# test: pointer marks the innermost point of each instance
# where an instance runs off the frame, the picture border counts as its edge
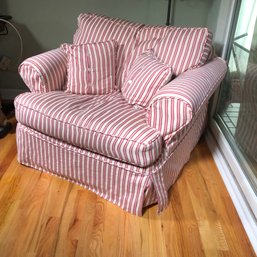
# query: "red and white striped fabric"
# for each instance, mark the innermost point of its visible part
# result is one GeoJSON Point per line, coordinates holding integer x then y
{"type": "Point", "coordinates": [149, 32]}
{"type": "Point", "coordinates": [174, 106]}
{"type": "Point", "coordinates": [176, 156]}
{"type": "Point", "coordinates": [146, 39]}
{"type": "Point", "coordinates": [45, 72]}
{"type": "Point", "coordinates": [97, 28]}
{"type": "Point", "coordinates": [125, 185]}
{"type": "Point", "coordinates": [91, 68]}
{"type": "Point", "coordinates": [105, 124]}
{"type": "Point", "coordinates": [185, 48]}
{"type": "Point", "coordinates": [144, 46]}
{"type": "Point", "coordinates": [146, 76]}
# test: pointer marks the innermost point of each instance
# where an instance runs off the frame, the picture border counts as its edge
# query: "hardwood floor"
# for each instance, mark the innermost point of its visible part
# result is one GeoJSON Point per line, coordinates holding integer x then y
{"type": "Point", "coordinates": [42, 215]}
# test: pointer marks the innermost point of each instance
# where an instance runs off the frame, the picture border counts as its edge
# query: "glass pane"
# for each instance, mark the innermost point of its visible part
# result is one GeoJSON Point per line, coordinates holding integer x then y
{"type": "Point", "coordinates": [237, 109]}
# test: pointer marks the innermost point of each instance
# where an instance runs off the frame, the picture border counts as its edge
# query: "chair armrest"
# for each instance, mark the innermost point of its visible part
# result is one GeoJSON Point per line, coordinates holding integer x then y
{"type": "Point", "coordinates": [174, 105]}
{"type": "Point", "coordinates": [45, 72]}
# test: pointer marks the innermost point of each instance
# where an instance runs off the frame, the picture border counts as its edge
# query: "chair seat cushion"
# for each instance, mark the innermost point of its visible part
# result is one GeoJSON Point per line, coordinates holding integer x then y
{"type": "Point", "coordinates": [105, 124]}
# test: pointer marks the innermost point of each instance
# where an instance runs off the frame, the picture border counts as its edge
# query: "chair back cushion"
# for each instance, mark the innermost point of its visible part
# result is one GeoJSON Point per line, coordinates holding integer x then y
{"type": "Point", "coordinates": [185, 48]}
{"type": "Point", "coordinates": [182, 48]}
{"type": "Point", "coordinates": [149, 32]}
{"type": "Point", "coordinates": [98, 28]}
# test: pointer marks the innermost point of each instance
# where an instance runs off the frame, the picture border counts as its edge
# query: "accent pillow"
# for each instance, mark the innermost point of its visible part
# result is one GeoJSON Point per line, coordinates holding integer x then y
{"type": "Point", "coordinates": [91, 68]}
{"type": "Point", "coordinates": [144, 46]}
{"type": "Point", "coordinates": [146, 76]}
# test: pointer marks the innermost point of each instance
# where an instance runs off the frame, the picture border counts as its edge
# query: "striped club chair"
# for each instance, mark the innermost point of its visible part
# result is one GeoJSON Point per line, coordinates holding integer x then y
{"type": "Point", "coordinates": [120, 109]}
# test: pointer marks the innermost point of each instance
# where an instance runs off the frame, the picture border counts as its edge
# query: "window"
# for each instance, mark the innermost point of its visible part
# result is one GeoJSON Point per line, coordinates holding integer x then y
{"type": "Point", "coordinates": [237, 106]}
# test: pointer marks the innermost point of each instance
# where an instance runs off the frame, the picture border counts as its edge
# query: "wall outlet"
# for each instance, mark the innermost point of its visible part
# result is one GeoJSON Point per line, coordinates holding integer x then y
{"type": "Point", "coordinates": [5, 62]}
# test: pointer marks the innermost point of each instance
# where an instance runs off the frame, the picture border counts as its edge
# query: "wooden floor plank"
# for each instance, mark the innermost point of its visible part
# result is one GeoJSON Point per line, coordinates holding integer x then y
{"type": "Point", "coordinates": [7, 152]}
{"type": "Point", "coordinates": [43, 215]}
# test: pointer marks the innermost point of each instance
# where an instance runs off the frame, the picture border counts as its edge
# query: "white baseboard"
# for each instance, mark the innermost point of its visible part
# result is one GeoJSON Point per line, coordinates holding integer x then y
{"type": "Point", "coordinates": [241, 192]}
{"type": "Point", "coordinates": [10, 94]}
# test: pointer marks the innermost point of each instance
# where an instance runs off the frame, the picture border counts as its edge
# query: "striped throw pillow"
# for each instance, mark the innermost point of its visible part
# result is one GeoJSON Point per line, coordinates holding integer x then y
{"type": "Point", "coordinates": [144, 46]}
{"type": "Point", "coordinates": [146, 76]}
{"type": "Point", "coordinates": [91, 68]}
